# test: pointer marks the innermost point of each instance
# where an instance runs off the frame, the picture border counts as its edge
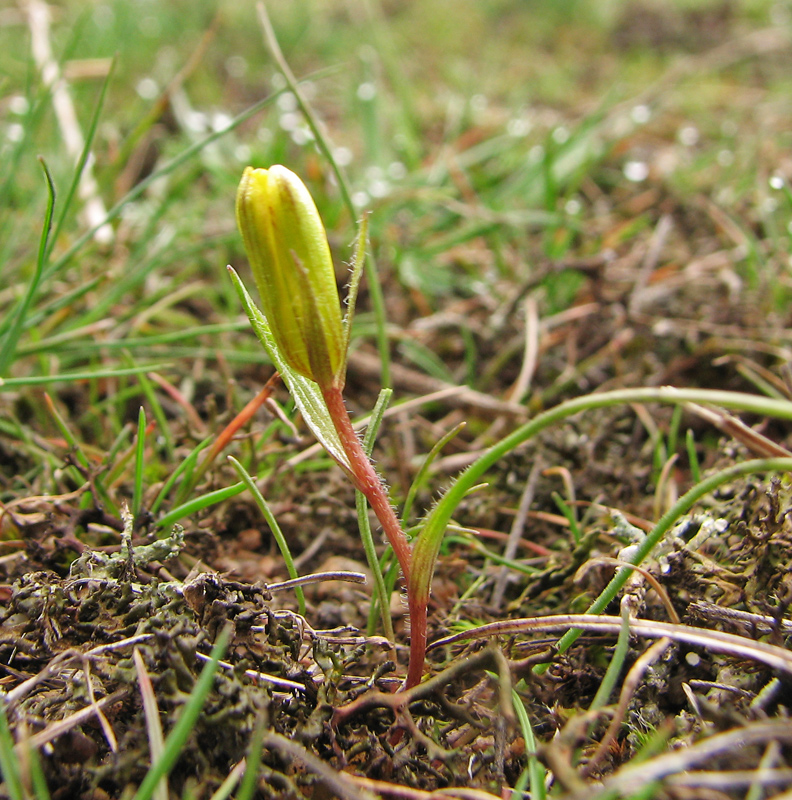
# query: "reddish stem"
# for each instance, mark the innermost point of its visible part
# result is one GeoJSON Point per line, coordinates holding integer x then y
{"type": "Point", "coordinates": [417, 639]}
{"type": "Point", "coordinates": [368, 482]}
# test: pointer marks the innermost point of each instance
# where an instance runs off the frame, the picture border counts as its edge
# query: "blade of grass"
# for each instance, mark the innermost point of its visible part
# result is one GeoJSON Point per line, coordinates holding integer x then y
{"type": "Point", "coordinates": [164, 428]}
{"type": "Point", "coordinates": [185, 468]}
{"type": "Point", "coordinates": [200, 503]}
{"type": "Point", "coordinates": [9, 763]}
{"type": "Point", "coordinates": [70, 377]}
{"type": "Point", "coordinates": [181, 731]}
{"type": "Point", "coordinates": [569, 514]}
{"type": "Point", "coordinates": [40, 787]}
{"type": "Point", "coordinates": [248, 786]}
{"type": "Point", "coordinates": [277, 533]}
{"type": "Point", "coordinates": [602, 697]}
{"type": "Point", "coordinates": [53, 343]}
{"type": "Point", "coordinates": [229, 784]}
{"type": "Point", "coordinates": [536, 772]}
{"type": "Point", "coordinates": [690, 446]}
{"type": "Point", "coordinates": [48, 310]}
{"type": "Point", "coordinates": [9, 345]}
{"type": "Point", "coordinates": [140, 456]}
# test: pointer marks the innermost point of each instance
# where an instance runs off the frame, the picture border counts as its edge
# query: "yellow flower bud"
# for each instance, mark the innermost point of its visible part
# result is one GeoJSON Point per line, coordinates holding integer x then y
{"type": "Point", "coordinates": [287, 246]}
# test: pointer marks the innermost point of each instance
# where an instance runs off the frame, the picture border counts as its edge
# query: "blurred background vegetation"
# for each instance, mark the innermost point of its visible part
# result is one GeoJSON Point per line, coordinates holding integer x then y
{"type": "Point", "coordinates": [503, 147]}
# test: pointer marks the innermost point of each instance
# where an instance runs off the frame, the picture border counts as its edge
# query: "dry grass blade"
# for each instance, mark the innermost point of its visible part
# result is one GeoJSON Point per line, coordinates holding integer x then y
{"type": "Point", "coordinates": [761, 623]}
{"type": "Point", "coordinates": [629, 687]}
{"type": "Point", "coordinates": [776, 658]}
{"type": "Point", "coordinates": [56, 729]}
{"type": "Point", "coordinates": [100, 715]}
{"type": "Point", "coordinates": [337, 782]}
{"type": "Point", "coordinates": [384, 789]}
{"type": "Point", "coordinates": [632, 778]}
{"type": "Point", "coordinates": [516, 532]}
{"type": "Point", "coordinates": [39, 22]}
{"type": "Point", "coordinates": [756, 443]}
{"type": "Point", "coordinates": [406, 379]}
{"type": "Point", "coordinates": [153, 726]}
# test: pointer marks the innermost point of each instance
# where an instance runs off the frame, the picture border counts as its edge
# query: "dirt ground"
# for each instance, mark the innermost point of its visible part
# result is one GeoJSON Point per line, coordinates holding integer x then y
{"type": "Point", "coordinates": [78, 602]}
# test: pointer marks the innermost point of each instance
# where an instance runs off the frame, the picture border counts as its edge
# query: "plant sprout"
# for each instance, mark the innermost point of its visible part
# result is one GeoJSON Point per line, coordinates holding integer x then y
{"type": "Point", "coordinates": [301, 327]}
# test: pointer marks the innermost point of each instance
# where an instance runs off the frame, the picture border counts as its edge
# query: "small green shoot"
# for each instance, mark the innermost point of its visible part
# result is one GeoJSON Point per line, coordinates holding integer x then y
{"type": "Point", "coordinates": [9, 343]}
{"type": "Point", "coordinates": [535, 775]}
{"type": "Point", "coordinates": [140, 460]}
{"type": "Point", "coordinates": [181, 731]}
{"type": "Point", "coordinates": [277, 533]}
{"type": "Point", "coordinates": [692, 454]}
{"type": "Point", "coordinates": [616, 665]}
{"type": "Point", "coordinates": [9, 761]}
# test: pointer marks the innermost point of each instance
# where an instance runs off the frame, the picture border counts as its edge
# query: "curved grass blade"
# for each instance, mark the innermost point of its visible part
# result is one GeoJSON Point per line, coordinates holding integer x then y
{"type": "Point", "coordinates": [427, 545]}
{"type": "Point", "coordinates": [666, 522]}
{"type": "Point", "coordinates": [83, 160]}
{"type": "Point", "coordinates": [8, 348]}
{"type": "Point", "coordinates": [277, 533]}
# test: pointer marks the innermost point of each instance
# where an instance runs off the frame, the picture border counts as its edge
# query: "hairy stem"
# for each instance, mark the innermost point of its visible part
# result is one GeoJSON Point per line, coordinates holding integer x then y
{"type": "Point", "coordinates": [366, 479]}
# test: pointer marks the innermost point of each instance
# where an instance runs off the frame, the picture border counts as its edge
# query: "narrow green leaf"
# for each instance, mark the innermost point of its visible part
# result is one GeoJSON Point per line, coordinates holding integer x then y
{"type": "Point", "coordinates": [8, 348]}
{"type": "Point", "coordinates": [9, 763]}
{"type": "Point", "coordinates": [200, 503]}
{"type": "Point", "coordinates": [381, 593]}
{"type": "Point", "coordinates": [535, 770]}
{"type": "Point", "coordinates": [277, 533]}
{"type": "Point", "coordinates": [602, 697]}
{"type": "Point", "coordinates": [189, 715]}
{"type": "Point", "coordinates": [70, 377]}
{"type": "Point", "coordinates": [140, 448]}
{"type": "Point", "coordinates": [427, 545]}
